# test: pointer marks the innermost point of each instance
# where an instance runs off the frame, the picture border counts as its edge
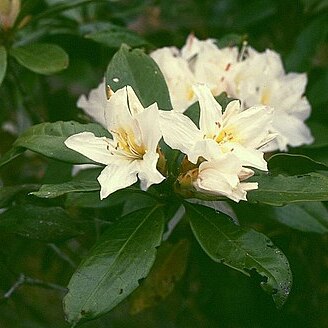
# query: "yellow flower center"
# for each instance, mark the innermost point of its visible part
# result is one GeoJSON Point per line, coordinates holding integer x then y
{"type": "Point", "coordinates": [265, 98]}
{"type": "Point", "coordinates": [126, 141]}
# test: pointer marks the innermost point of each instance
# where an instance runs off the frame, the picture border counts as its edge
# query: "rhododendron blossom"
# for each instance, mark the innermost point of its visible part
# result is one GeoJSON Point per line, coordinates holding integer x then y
{"type": "Point", "coordinates": [132, 153]}
{"type": "Point", "coordinates": [252, 77]}
{"type": "Point", "coordinates": [236, 131]}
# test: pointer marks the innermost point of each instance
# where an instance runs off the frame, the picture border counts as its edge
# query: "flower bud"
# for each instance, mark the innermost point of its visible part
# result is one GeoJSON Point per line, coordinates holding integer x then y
{"type": "Point", "coordinates": [9, 10]}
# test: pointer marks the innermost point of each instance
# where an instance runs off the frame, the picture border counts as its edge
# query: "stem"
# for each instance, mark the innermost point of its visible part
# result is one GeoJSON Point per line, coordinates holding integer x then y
{"type": "Point", "coordinates": [25, 280]}
{"type": "Point", "coordinates": [62, 255]}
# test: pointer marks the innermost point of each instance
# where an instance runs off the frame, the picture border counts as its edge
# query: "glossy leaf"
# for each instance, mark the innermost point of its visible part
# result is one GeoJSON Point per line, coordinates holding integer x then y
{"type": "Point", "coordinates": [41, 58]}
{"type": "Point", "coordinates": [112, 270]}
{"type": "Point", "coordinates": [278, 190]}
{"type": "Point", "coordinates": [3, 63]}
{"type": "Point", "coordinates": [291, 164]}
{"type": "Point", "coordinates": [48, 224]}
{"type": "Point", "coordinates": [115, 37]}
{"type": "Point", "coordinates": [169, 268]}
{"type": "Point", "coordinates": [242, 249]}
{"type": "Point", "coordinates": [135, 68]}
{"type": "Point", "coordinates": [307, 217]}
{"type": "Point", "coordinates": [48, 139]}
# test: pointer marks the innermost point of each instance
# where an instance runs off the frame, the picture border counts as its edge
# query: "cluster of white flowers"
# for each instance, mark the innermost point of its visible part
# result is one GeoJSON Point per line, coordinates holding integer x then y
{"type": "Point", "coordinates": [222, 149]}
{"type": "Point", "coordinates": [252, 77]}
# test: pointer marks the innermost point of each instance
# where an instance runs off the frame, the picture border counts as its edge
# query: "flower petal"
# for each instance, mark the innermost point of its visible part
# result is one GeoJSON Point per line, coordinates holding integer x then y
{"type": "Point", "coordinates": [117, 113]}
{"type": "Point", "coordinates": [179, 132]}
{"type": "Point", "coordinates": [148, 122]}
{"type": "Point", "coordinates": [96, 148]}
{"type": "Point", "coordinates": [148, 173]}
{"type": "Point", "coordinates": [96, 103]}
{"type": "Point", "coordinates": [117, 176]}
{"type": "Point", "coordinates": [210, 111]}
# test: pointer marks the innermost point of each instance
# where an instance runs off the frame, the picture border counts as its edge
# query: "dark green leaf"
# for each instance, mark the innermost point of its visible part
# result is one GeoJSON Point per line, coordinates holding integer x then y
{"type": "Point", "coordinates": [10, 155]}
{"type": "Point", "coordinates": [230, 40]}
{"type": "Point", "coordinates": [307, 217]}
{"type": "Point", "coordinates": [48, 139]}
{"type": "Point", "coordinates": [135, 68]}
{"type": "Point", "coordinates": [315, 5]}
{"type": "Point", "coordinates": [291, 164]}
{"type": "Point", "coordinates": [48, 224]}
{"type": "Point", "coordinates": [41, 58]}
{"type": "Point", "coordinates": [307, 42]}
{"type": "Point", "coordinates": [242, 249]}
{"type": "Point", "coordinates": [320, 134]}
{"type": "Point", "coordinates": [3, 63]}
{"type": "Point", "coordinates": [56, 190]}
{"type": "Point", "coordinates": [7, 194]}
{"type": "Point", "coordinates": [279, 190]}
{"type": "Point", "coordinates": [63, 6]}
{"type": "Point", "coordinates": [116, 36]}
{"type": "Point", "coordinates": [112, 270]}
{"type": "Point", "coordinates": [315, 94]}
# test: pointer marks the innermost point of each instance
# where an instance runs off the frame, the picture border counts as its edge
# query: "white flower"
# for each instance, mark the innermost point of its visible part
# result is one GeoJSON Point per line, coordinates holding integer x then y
{"type": "Point", "coordinates": [178, 77]}
{"type": "Point", "coordinates": [197, 62]}
{"type": "Point", "coordinates": [236, 131]}
{"type": "Point", "coordinates": [131, 154]}
{"type": "Point", "coordinates": [261, 79]}
{"type": "Point", "coordinates": [224, 176]}
{"type": "Point", "coordinates": [95, 104]}
{"type": "Point", "coordinates": [210, 64]}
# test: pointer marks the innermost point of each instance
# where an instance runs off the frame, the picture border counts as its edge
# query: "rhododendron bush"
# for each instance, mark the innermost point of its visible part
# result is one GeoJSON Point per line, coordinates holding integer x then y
{"type": "Point", "coordinates": [144, 183]}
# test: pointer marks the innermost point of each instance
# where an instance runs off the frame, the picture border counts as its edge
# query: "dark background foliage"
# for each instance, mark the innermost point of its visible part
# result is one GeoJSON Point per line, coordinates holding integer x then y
{"type": "Point", "coordinates": [209, 294]}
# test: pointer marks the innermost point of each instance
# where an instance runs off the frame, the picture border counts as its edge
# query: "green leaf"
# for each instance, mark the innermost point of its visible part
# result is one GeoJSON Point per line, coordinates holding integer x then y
{"type": "Point", "coordinates": [319, 132]}
{"type": "Point", "coordinates": [3, 63]}
{"type": "Point", "coordinates": [135, 68]}
{"type": "Point", "coordinates": [242, 249]}
{"type": "Point", "coordinates": [306, 45]}
{"type": "Point", "coordinates": [11, 155]}
{"type": "Point", "coordinates": [169, 268]}
{"type": "Point", "coordinates": [48, 224]}
{"type": "Point", "coordinates": [291, 164]}
{"type": "Point", "coordinates": [48, 139]}
{"type": "Point", "coordinates": [114, 38]}
{"type": "Point", "coordinates": [112, 270]}
{"type": "Point", "coordinates": [307, 217]}
{"type": "Point", "coordinates": [8, 193]}
{"type": "Point", "coordinates": [56, 190]}
{"type": "Point", "coordinates": [278, 190]}
{"type": "Point", "coordinates": [231, 40]}
{"type": "Point", "coordinates": [63, 6]}
{"type": "Point", "coordinates": [41, 58]}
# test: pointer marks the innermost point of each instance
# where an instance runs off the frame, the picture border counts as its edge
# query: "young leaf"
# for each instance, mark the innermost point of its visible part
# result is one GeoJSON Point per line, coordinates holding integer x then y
{"type": "Point", "coordinates": [41, 58]}
{"type": "Point", "coordinates": [307, 217]}
{"type": "Point", "coordinates": [135, 68]}
{"type": "Point", "coordinates": [114, 38]}
{"type": "Point", "coordinates": [278, 190]}
{"type": "Point", "coordinates": [48, 224]}
{"type": "Point", "coordinates": [242, 249]}
{"type": "Point", "coordinates": [112, 270]}
{"type": "Point", "coordinates": [3, 63]}
{"type": "Point", "coordinates": [48, 139]}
